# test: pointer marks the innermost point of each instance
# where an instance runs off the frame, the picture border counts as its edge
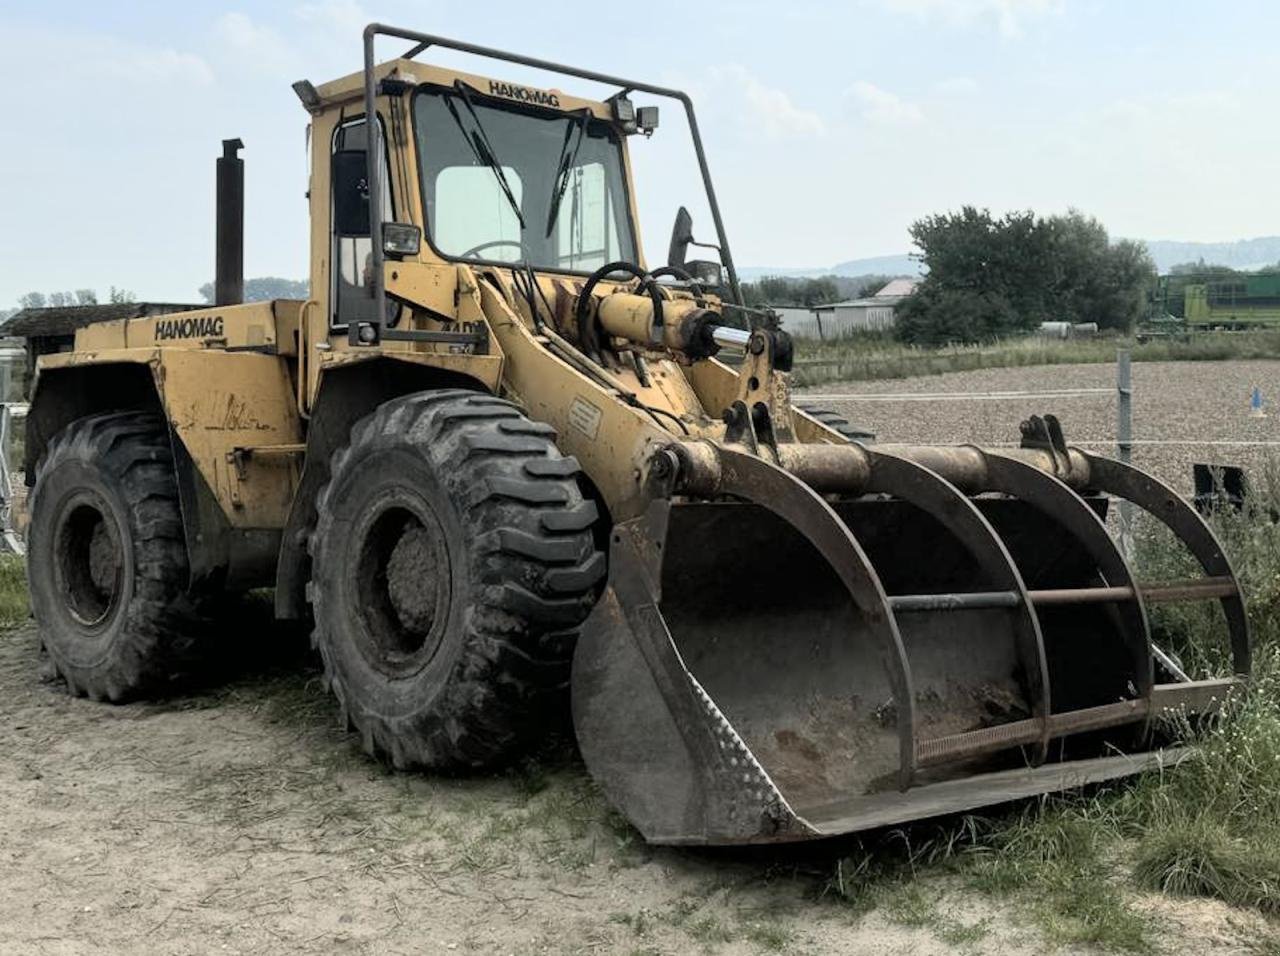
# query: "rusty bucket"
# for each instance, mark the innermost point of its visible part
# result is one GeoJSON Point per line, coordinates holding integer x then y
{"type": "Point", "coordinates": [772, 662]}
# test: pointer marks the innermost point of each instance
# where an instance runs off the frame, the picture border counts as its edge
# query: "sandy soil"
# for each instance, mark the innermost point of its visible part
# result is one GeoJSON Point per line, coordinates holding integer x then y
{"type": "Point", "coordinates": [242, 820]}
{"type": "Point", "coordinates": [1203, 403]}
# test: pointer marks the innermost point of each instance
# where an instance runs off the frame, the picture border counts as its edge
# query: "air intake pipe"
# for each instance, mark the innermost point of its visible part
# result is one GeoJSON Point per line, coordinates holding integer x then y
{"type": "Point", "coordinates": [228, 282]}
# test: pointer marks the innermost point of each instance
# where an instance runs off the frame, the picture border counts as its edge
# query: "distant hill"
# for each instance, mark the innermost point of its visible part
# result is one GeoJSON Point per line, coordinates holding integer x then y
{"type": "Point", "coordinates": [1240, 254]}
{"type": "Point", "coordinates": [899, 265]}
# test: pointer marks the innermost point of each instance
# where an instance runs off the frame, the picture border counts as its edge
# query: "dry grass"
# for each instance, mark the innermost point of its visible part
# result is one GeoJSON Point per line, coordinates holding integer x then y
{"type": "Point", "coordinates": [14, 605]}
{"type": "Point", "coordinates": [878, 356]}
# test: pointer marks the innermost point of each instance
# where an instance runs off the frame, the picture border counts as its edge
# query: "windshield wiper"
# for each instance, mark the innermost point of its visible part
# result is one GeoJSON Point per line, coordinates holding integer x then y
{"type": "Point", "coordinates": [564, 166]}
{"type": "Point", "coordinates": [480, 146]}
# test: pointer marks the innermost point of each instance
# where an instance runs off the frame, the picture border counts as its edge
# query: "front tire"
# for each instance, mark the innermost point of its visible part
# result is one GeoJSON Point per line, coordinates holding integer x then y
{"type": "Point", "coordinates": [107, 561]}
{"type": "Point", "coordinates": [452, 561]}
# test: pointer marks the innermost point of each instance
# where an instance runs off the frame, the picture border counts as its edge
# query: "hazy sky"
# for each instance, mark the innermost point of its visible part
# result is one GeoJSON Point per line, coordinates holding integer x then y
{"type": "Point", "coordinates": [830, 127]}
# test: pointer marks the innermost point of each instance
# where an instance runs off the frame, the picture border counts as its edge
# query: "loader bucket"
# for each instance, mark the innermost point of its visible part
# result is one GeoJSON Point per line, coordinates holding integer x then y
{"type": "Point", "coordinates": [778, 665]}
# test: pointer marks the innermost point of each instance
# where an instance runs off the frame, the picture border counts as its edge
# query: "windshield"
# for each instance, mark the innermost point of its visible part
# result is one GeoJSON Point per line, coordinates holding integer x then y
{"type": "Point", "coordinates": [505, 184]}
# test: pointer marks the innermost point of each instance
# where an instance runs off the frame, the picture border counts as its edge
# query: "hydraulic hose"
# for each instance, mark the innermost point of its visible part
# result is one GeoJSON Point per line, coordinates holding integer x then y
{"type": "Point", "coordinates": [591, 339]}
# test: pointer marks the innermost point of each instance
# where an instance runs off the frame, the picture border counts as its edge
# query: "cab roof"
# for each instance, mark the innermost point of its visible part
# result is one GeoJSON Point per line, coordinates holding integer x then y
{"type": "Point", "coordinates": [350, 88]}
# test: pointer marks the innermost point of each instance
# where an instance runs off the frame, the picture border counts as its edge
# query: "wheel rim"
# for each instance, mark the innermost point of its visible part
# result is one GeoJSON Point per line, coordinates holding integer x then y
{"type": "Point", "coordinates": [89, 560]}
{"type": "Point", "coordinates": [403, 587]}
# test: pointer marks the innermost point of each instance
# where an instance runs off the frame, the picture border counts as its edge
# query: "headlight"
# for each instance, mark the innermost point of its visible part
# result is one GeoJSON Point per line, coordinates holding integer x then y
{"type": "Point", "coordinates": [401, 239]}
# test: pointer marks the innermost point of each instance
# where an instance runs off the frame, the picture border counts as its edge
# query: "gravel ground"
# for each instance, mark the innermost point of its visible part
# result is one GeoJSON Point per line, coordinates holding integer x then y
{"type": "Point", "coordinates": [1199, 402]}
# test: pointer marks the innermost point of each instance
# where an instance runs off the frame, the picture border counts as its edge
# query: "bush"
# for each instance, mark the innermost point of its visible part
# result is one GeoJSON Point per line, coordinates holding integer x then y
{"type": "Point", "coordinates": [938, 316]}
{"type": "Point", "coordinates": [990, 276]}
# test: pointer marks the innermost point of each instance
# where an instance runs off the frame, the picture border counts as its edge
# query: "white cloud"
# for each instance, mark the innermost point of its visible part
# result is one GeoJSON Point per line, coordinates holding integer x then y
{"type": "Point", "coordinates": [880, 106]}
{"type": "Point", "coordinates": [142, 65]}
{"type": "Point", "coordinates": [258, 44]}
{"type": "Point", "coordinates": [956, 86]}
{"type": "Point", "coordinates": [345, 17]}
{"type": "Point", "coordinates": [98, 57]}
{"type": "Point", "coordinates": [1007, 15]}
{"type": "Point", "coordinates": [1179, 111]}
{"type": "Point", "coordinates": [771, 108]}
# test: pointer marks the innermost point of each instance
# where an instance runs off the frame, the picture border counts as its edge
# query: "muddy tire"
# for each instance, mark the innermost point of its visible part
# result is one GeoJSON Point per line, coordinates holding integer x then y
{"type": "Point", "coordinates": [452, 561]}
{"type": "Point", "coordinates": [107, 561]}
{"type": "Point", "coordinates": [837, 422]}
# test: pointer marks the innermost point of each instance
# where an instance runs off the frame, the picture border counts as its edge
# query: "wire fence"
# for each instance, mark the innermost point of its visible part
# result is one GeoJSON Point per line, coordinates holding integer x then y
{"type": "Point", "coordinates": [1123, 442]}
{"type": "Point", "coordinates": [1123, 392]}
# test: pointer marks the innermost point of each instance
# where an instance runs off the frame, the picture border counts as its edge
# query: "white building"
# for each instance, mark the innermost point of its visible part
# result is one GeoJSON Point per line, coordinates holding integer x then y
{"type": "Point", "coordinates": [873, 313]}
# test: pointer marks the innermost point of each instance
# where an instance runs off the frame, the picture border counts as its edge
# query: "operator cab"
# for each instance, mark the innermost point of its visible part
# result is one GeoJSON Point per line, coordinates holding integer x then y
{"type": "Point", "coordinates": [479, 172]}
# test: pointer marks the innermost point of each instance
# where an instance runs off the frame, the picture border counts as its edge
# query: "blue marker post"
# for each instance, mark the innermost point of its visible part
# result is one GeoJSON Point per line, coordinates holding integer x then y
{"type": "Point", "coordinates": [1255, 404]}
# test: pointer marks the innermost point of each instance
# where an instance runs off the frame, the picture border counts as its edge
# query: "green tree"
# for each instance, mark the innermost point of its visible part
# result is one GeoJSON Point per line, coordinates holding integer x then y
{"type": "Point", "coordinates": [869, 285]}
{"type": "Point", "coordinates": [120, 296]}
{"type": "Point", "coordinates": [1006, 275]}
{"type": "Point", "coordinates": [266, 288]}
{"type": "Point", "coordinates": [1202, 270]}
{"type": "Point", "coordinates": [789, 291]}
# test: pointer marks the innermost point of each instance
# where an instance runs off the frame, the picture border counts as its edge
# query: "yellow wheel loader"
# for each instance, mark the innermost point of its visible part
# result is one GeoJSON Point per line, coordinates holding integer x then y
{"type": "Point", "coordinates": [496, 454]}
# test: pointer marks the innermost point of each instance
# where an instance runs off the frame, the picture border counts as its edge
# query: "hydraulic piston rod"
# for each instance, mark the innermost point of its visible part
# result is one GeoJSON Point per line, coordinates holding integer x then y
{"type": "Point", "coordinates": [726, 335]}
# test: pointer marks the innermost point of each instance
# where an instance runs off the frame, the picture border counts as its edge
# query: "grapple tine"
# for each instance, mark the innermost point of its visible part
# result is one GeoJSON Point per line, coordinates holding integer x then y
{"type": "Point", "coordinates": [1171, 509]}
{"type": "Point", "coordinates": [758, 481]}
{"type": "Point", "coordinates": [1054, 498]}
{"type": "Point", "coordinates": [929, 491]}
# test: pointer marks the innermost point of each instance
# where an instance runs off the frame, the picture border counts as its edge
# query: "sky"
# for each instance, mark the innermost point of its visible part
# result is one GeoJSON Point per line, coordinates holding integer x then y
{"type": "Point", "coordinates": [830, 127]}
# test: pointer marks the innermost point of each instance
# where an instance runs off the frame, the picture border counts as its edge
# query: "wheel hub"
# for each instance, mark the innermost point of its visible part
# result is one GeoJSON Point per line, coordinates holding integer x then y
{"type": "Point", "coordinates": [403, 583]}
{"type": "Point", "coordinates": [411, 579]}
{"type": "Point", "coordinates": [89, 562]}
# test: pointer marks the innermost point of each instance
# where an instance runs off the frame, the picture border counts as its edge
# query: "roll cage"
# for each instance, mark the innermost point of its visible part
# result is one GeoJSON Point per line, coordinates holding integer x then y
{"type": "Point", "coordinates": [423, 41]}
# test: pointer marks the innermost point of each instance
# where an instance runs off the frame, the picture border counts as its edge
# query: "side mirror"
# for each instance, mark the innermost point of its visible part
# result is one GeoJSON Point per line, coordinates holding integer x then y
{"type": "Point", "coordinates": [681, 237]}
{"type": "Point", "coordinates": [707, 273]}
{"type": "Point", "coordinates": [350, 193]}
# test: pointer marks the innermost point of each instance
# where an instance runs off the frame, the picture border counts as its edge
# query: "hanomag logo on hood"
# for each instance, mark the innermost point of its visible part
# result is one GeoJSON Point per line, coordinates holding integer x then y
{"type": "Point", "coordinates": [197, 327]}
{"type": "Point", "coordinates": [524, 94]}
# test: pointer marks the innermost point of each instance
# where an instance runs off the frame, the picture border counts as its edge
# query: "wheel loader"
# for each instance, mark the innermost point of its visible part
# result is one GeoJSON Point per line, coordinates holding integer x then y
{"type": "Point", "coordinates": [496, 458]}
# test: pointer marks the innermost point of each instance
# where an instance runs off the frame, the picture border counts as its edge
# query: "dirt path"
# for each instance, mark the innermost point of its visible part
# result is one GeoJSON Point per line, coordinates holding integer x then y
{"type": "Point", "coordinates": [242, 820]}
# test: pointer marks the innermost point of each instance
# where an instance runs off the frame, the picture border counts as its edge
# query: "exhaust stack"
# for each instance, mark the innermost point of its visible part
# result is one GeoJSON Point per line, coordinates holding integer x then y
{"type": "Point", "coordinates": [228, 283]}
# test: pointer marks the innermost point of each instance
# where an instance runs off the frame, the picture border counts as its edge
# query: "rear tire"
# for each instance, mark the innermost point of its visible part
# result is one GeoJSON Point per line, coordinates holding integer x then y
{"type": "Point", "coordinates": [837, 422]}
{"type": "Point", "coordinates": [107, 561]}
{"type": "Point", "coordinates": [452, 562]}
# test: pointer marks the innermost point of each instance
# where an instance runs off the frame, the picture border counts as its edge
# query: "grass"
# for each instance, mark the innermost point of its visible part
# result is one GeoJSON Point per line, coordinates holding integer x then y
{"type": "Point", "coordinates": [878, 356]}
{"type": "Point", "coordinates": [14, 605]}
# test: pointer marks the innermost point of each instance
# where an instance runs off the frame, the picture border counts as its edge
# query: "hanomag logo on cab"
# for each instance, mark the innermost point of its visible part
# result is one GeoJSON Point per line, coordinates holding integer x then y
{"type": "Point", "coordinates": [524, 94]}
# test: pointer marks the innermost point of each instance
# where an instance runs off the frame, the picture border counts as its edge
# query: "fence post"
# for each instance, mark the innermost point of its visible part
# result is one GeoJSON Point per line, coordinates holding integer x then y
{"type": "Point", "coordinates": [1124, 439]}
